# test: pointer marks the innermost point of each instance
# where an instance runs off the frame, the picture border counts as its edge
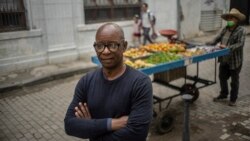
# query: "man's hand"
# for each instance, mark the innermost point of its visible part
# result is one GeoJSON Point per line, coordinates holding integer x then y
{"type": "Point", "coordinates": [82, 111]}
{"type": "Point", "coordinates": [119, 123]}
{"type": "Point", "coordinates": [222, 46]}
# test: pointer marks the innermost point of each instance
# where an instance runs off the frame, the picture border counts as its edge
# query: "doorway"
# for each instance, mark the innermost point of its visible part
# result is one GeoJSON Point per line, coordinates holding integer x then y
{"type": "Point", "coordinates": [243, 6]}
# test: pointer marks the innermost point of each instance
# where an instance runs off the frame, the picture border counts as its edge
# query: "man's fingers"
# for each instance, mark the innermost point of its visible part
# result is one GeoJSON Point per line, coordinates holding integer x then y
{"type": "Point", "coordinates": [77, 115]}
{"type": "Point", "coordinates": [82, 111]}
{"type": "Point", "coordinates": [222, 46]}
{"type": "Point", "coordinates": [124, 118]}
{"type": "Point", "coordinates": [87, 110]}
{"type": "Point", "coordinates": [85, 114]}
{"type": "Point", "coordinates": [79, 112]}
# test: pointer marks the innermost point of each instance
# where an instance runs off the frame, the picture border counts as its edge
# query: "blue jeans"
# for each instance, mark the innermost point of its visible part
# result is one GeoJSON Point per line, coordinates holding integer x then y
{"type": "Point", "coordinates": [146, 36]}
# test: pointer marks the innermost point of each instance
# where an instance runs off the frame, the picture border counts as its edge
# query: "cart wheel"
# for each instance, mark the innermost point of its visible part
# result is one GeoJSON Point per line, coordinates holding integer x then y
{"type": "Point", "coordinates": [164, 123]}
{"type": "Point", "coordinates": [190, 89]}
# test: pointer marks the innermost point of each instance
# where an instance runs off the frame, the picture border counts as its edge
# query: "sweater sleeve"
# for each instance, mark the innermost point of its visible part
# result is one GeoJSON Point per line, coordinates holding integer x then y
{"type": "Point", "coordinates": [82, 128]}
{"type": "Point", "coordinates": [217, 38]}
{"type": "Point", "coordinates": [139, 117]}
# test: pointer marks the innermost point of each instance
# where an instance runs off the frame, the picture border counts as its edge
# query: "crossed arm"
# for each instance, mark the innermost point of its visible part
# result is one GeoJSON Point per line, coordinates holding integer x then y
{"type": "Point", "coordinates": [132, 127]}
{"type": "Point", "coordinates": [82, 112]}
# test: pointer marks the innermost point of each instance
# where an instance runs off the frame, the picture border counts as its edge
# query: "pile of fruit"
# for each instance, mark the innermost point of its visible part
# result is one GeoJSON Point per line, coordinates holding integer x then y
{"type": "Point", "coordinates": [152, 54]}
{"type": "Point", "coordinates": [165, 47]}
{"type": "Point", "coordinates": [135, 53]}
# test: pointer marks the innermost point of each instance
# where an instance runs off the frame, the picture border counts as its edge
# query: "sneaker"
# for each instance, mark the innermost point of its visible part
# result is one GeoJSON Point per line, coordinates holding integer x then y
{"type": "Point", "coordinates": [219, 99]}
{"type": "Point", "coordinates": [231, 103]}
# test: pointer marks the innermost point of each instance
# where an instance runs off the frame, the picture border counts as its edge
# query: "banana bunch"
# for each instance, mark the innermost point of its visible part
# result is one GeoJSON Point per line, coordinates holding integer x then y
{"type": "Point", "coordinates": [138, 64]}
{"type": "Point", "coordinates": [136, 53]}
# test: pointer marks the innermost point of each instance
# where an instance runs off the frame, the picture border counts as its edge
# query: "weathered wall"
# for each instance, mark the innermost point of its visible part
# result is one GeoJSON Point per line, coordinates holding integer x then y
{"type": "Point", "coordinates": [24, 49]}
{"type": "Point", "coordinates": [192, 14]}
{"type": "Point", "coordinates": [58, 33]}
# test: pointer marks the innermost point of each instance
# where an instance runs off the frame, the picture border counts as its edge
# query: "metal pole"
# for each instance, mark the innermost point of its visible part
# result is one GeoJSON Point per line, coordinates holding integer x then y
{"type": "Point", "coordinates": [178, 19]}
{"type": "Point", "coordinates": [215, 70]}
{"type": "Point", "coordinates": [185, 135]}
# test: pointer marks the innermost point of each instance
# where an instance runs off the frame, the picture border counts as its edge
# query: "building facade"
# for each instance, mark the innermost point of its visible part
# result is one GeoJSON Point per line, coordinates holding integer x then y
{"type": "Point", "coordinates": [39, 32]}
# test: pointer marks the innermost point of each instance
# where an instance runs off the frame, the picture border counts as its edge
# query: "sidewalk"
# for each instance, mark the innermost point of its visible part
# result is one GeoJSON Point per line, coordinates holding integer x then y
{"type": "Point", "coordinates": [42, 74]}
{"type": "Point", "coordinates": [45, 73]}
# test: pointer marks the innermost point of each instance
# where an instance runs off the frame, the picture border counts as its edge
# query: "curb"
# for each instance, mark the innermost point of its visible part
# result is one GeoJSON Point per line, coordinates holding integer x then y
{"type": "Point", "coordinates": [45, 78]}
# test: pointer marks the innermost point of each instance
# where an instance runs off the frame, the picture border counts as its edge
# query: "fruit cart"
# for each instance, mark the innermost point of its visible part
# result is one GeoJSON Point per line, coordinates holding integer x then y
{"type": "Point", "coordinates": [165, 121]}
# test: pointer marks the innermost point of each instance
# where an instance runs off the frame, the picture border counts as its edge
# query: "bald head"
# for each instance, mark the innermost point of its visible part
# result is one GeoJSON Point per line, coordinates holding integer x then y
{"type": "Point", "coordinates": [110, 29]}
{"type": "Point", "coordinates": [110, 38]}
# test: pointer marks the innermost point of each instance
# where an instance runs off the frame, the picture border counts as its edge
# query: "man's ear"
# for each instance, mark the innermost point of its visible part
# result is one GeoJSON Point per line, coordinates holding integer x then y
{"type": "Point", "coordinates": [125, 45]}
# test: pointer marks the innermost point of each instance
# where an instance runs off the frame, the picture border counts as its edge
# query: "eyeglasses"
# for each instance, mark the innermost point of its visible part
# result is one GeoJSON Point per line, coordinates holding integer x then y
{"type": "Point", "coordinates": [112, 46]}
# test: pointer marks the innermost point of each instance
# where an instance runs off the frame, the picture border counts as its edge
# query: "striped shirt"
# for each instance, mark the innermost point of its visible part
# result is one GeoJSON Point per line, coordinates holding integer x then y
{"type": "Point", "coordinates": [234, 40]}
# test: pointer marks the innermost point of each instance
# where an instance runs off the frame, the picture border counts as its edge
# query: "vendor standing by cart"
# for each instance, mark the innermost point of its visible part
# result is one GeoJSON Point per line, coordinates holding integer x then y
{"type": "Point", "coordinates": [233, 37]}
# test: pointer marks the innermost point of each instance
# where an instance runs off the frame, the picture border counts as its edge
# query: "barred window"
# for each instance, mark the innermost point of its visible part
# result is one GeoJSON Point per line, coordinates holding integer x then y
{"type": "Point", "coordinates": [12, 15]}
{"type": "Point", "coordinates": [110, 10]}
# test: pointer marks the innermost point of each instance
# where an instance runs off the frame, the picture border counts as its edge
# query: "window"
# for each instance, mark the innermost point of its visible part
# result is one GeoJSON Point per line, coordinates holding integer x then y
{"type": "Point", "coordinates": [211, 20]}
{"type": "Point", "coordinates": [110, 10]}
{"type": "Point", "coordinates": [12, 15]}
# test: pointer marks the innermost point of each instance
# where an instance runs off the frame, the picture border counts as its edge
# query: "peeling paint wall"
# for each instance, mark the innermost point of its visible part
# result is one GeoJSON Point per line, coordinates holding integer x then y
{"type": "Point", "coordinates": [192, 14]}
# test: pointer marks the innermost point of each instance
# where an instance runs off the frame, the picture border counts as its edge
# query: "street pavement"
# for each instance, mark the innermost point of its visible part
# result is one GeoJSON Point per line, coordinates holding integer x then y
{"type": "Point", "coordinates": [36, 113]}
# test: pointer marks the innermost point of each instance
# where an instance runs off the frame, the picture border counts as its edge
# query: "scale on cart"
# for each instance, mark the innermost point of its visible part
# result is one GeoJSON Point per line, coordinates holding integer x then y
{"type": "Point", "coordinates": [169, 34]}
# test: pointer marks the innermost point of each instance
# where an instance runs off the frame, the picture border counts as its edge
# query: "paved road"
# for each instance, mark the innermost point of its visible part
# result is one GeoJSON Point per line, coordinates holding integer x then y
{"type": "Point", "coordinates": [36, 113]}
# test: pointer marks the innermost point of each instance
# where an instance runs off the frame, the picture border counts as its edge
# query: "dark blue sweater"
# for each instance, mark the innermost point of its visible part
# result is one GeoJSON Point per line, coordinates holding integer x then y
{"type": "Point", "coordinates": [130, 94]}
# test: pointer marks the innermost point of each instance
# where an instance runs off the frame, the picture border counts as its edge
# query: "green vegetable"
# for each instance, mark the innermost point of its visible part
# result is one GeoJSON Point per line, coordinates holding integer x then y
{"type": "Point", "coordinates": [162, 57]}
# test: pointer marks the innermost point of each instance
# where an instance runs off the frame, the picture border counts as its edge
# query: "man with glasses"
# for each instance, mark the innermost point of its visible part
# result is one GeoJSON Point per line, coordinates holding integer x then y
{"type": "Point", "coordinates": [114, 102]}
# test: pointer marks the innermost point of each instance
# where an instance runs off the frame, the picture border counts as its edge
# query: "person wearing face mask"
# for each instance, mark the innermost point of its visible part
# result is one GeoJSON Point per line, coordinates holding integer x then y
{"type": "Point", "coordinates": [232, 37]}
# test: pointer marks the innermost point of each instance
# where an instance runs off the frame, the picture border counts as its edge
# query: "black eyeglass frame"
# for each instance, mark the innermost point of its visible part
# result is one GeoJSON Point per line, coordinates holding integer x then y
{"type": "Point", "coordinates": [116, 46]}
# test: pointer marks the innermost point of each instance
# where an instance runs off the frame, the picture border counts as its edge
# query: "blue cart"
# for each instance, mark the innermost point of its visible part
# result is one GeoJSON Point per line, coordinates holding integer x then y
{"type": "Point", "coordinates": [189, 91]}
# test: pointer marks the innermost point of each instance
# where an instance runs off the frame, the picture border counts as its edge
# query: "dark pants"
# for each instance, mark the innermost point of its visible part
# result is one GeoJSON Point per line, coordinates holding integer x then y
{"type": "Point", "coordinates": [224, 74]}
{"type": "Point", "coordinates": [146, 36]}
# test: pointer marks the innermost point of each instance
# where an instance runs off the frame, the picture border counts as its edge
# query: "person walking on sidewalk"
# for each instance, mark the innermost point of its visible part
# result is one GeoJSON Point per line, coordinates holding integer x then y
{"type": "Point", "coordinates": [136, 36]}
{"type": "Point", "coordinates": [232, 37]}
{"type": "Point", "coordinates": [114, 102]}
{"type": "Point", "coordinates": [148, 22]}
